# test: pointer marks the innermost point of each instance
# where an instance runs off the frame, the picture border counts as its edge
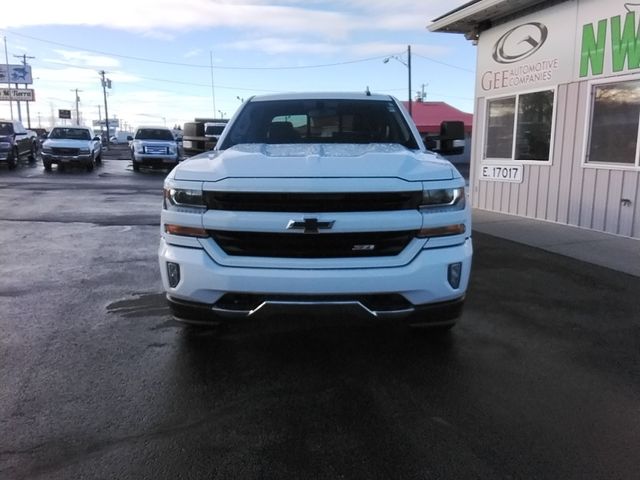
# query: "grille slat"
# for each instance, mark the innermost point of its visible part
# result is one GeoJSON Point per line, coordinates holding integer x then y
{"type": "Point", "coordinates": [312, 202]}
{"type": "Point", "coordinates": [309, 245]}
{"type": "Point", "coordinates": [65, 151]}
{"type": "Point", "coordinates": [156, 150]}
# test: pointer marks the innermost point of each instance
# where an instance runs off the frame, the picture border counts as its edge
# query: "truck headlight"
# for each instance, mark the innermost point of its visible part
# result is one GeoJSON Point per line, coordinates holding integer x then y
{"type": "Point", "coordinates": [5, 145]}
{"type": "Point", "coordinates": [443, 199]}
{"type": "Point", "coordinates": [84, 151]}
{"type": "Point", "coordinates": [183, 200]}
{"type": "Point", "coordinates": [47, 150]}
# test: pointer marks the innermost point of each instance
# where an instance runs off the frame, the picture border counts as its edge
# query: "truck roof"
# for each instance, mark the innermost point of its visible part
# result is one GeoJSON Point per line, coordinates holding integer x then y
{"type": "Point", "coordinates": [320, 96]}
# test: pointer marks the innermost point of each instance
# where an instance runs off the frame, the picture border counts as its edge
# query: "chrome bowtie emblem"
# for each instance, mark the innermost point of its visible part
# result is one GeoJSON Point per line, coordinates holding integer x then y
{"type": "Point", "coordinates": [309, 225]}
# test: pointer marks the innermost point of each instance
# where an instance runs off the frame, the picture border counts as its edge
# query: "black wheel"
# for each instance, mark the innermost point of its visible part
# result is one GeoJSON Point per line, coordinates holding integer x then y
{"type": "Point", "coordinates": [13, 161]}
{"type": "Point", "coordinates": [47, 166]}
{"type": "Point", "coordinates": [33, 153]}
{"type": "Point", "coordinates": [90, 166]}
{"type": "Point", "coordinates": [136, 166]}
{"type": "Point", "coordinates": [61, 167]}
{"type": "Point", "coordinates": [99, 159]}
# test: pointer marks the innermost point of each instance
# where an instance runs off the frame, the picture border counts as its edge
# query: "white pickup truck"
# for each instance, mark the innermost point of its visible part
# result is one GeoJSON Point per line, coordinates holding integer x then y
{"type": "Point", "coordinates": [317, 200]}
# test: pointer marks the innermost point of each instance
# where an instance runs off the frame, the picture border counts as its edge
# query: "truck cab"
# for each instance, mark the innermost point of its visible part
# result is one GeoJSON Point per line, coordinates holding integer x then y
{"type": "Point", "coordinates": [16, 142]}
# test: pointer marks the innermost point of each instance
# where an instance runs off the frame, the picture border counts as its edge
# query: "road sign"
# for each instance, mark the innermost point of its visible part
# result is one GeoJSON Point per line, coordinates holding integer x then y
{"type": "Point", "coordinates": [64, 113]}
{"type": "Point", "coordinates": [15, 74]}
{"type": "Point", "coordinates": [18, 94]}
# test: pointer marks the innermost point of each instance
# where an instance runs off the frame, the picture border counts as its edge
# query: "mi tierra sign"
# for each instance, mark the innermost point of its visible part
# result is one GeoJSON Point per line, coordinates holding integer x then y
{"type": "Point", "coordinates": [17, 94]}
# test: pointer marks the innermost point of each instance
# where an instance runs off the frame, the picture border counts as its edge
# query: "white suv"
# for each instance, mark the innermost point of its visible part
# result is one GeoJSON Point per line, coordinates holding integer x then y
{"type": "Point", "coordinates": [314, 200]}
{"type": "Point", "coordinates": [154, 147]}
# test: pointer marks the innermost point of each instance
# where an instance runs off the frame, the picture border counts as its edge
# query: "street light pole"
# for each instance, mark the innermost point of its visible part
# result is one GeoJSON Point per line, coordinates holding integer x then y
{"type": "Point", "coordinates": [408, 65]}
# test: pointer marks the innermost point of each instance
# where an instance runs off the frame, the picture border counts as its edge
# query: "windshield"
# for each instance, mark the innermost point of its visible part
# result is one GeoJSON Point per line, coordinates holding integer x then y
{"type": "Point", "coordinates": [320, 121]}
{"type": "Point", "coordinates": [70, 133]}
{"type": "Point", "coordinates": [6, 128]}
{"type": "Point", "coordinates": [214, 129]}
{"type": "Point", "coordinates": [154, 134]}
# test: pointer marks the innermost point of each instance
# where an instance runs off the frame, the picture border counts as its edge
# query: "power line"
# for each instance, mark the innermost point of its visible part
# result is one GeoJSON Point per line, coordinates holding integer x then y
{"type": "Point", "coordinates": [444, 63]}
{"type": "Point", "coordinates": [194, 65]}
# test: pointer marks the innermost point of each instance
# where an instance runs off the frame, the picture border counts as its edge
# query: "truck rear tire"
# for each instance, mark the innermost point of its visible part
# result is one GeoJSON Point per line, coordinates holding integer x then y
{"type": "Point", "coordinates": [13, 161]}
{"type": "Point", "coordinates": [47, 166]}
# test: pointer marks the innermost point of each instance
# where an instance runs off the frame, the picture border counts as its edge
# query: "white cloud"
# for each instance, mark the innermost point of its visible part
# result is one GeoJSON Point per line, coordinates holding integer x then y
{"type": "Point", "coordinates": [88, 59]}
{"type": "Point", "coordinates": [162, 18]}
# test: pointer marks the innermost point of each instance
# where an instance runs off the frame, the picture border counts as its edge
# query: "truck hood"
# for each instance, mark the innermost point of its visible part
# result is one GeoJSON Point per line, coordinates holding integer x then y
{"type": "Point", "coordinates": [66, 143]}
{"type": "Point", "coordinates": [315, 160]}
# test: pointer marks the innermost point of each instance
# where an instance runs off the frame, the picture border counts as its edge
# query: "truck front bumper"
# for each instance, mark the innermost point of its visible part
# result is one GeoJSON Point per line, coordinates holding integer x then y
{"type": "Point", "coordinates": [83, 159]}
{"type": "Point", "coordinates": [199, 287]}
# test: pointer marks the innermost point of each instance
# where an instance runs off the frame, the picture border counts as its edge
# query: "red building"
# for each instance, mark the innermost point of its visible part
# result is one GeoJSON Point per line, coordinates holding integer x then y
{"type": "Point", "coordinates": [428, 116]}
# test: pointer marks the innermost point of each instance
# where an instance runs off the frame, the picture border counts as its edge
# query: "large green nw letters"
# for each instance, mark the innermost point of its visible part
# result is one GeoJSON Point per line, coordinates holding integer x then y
{"type": "Point", "coordinates": [625, 45]}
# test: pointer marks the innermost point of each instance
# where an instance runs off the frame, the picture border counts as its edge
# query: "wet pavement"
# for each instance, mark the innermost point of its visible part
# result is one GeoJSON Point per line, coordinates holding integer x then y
{"type": "Point", "coordinates": [540, 379]}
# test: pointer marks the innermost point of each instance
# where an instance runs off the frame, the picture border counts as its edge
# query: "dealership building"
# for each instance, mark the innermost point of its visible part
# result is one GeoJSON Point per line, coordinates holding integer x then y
{"type": "Point", "coordinates": [557, 109]}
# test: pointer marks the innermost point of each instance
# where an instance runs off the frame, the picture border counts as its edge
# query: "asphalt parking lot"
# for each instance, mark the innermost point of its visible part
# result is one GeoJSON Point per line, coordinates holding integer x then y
{"type": "Point", "coordinates": [540, 379]}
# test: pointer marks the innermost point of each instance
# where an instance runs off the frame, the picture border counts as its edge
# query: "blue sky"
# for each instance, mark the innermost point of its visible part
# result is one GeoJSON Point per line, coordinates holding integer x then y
{"type": "Point", "coordinates": [159, 53]}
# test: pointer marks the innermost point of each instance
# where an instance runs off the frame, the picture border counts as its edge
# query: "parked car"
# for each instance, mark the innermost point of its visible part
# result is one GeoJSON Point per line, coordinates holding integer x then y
{"type": "Point", "coordinates": [75, 145]}
{"type": "Point", "coordinates": [154, 147]}
{"type": "Point", "coordinates": [317, 200]}
{"type": "Point", "coordinates": [16, 142]}
{"type": "Point", "coordinates": [41, 133]}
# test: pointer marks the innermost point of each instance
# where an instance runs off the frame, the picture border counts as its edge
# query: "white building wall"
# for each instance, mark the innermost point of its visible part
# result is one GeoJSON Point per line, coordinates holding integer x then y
{"type": "Point", "coordinates": [564, 190]}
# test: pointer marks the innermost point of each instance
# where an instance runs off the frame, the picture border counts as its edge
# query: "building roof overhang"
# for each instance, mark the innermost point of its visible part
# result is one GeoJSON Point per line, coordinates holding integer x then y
{"type": "Point", "coordinates": [477, 15]}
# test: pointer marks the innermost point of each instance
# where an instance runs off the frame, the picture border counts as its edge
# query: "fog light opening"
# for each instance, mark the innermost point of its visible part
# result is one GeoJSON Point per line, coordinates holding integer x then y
{"type": "Point", "coordinates": [454, 274]}
{"type": "Point", "coordinates": [173, 272]}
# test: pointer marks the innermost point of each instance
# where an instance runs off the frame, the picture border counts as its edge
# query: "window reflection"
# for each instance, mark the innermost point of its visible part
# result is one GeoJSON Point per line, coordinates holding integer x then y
{"type": "Point", "coordinates": [533, 132]}
{"type": "Point", "coordinates": [614, 123]}
{"type": "Point", "coordinates": [500, 128]}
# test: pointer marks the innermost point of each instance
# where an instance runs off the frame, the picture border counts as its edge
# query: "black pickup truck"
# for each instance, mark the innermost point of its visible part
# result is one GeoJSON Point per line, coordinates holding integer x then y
{"type": "Point", "coordinates": [16, 142]}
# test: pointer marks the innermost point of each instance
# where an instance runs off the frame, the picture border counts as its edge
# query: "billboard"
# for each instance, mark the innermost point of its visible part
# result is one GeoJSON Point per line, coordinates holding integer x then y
{"type": "Point", "coordinates": [15, 74]}
{"type": "Point", "coordinates": [64, 113]}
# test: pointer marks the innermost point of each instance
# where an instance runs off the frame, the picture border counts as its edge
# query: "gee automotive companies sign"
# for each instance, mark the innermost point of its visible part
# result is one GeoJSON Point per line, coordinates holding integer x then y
{"type": "Point", "coordinates": [527, 53]}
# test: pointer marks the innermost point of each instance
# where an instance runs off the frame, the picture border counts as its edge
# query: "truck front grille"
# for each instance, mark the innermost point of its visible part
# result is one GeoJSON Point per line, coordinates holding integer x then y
{"type": "Point", "coordinates": [311, 245]}
{"type": "Point", "coordinates": [156, 150]}
{"type": "Point", "coordinates": [65, 151]}
{"type": "Point", "coordinates": [312, 202]}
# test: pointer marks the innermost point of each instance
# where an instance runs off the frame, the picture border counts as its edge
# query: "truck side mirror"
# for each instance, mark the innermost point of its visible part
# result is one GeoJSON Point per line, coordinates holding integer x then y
{"type": "Point", "coordinates": [451, 134]}
{"type": "Point", "coordinates": [129, 138]}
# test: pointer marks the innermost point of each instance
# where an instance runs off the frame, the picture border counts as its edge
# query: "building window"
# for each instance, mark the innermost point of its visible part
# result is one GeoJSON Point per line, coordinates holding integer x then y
{"type": "Point", "coordinates": [519, 127]}
{"type": "Point", "coordinates": [614, 123]}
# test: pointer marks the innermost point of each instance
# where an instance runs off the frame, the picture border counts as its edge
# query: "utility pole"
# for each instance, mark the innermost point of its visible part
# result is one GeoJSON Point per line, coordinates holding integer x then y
{"type": "Point", "coordinates": [409, 67]}
{"type": "Point", "coordinates": [24, 57]}
{"type": "Point", "coordinates": [6, 57]}
{"type": "Point", "coordinates": [106, 83]}
{"type": "Point", "coordinates": [423, 95]}
{"type": "Point", "coordinates": [77, 103]}
{"type": "Point", "coordinates": [213, 91]}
